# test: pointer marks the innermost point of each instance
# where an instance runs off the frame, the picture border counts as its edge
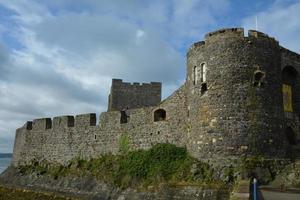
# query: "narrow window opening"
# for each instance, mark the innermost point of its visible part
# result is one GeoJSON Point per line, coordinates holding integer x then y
{"type": "Point", "coordinates": [203, 73]}
{"type": "Point", "coordinates": [124, 117]}
{"type": "Point", "coordinates": [160, 115]}
{"type": "Point", "coordinates": [195, 75]}
{"type": "Point", "coordinates": [203, 88]}
{"type": "Point", "coordinates": [95, 137]}
{"type": "Point", "coordinates": [158, 132]}
{"type": "Point", "coordinates": [259, 78]}
{"type": "Point", "coordinates": [199, 74]}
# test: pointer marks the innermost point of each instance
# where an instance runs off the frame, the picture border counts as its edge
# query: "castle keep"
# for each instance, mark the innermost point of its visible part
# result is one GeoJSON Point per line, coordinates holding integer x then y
{"type": "Point", "coordinates": [241, 97]}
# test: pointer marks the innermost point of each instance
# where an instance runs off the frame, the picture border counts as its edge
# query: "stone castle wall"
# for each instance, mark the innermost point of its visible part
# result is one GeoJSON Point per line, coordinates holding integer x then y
{"type": "Point", "coordinates": [236, 109]}
{"type": "Point", "coordinates": [290, 61]}
{"type": "Point", "coordinates": [64, 138]}
{"type": "Point", "coordinates": [126, 95]}
{"type": "Point", "coordinates": [235, 116]}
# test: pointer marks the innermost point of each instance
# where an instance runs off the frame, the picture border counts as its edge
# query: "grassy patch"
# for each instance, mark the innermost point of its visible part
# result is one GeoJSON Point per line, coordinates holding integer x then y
{"type": "Point", "coordinates": [124, 144]}
{"type": "Point", "coordinates": [163, 163]}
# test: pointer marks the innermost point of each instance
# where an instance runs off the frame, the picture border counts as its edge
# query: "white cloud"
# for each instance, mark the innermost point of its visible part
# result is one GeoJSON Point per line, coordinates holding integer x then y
{"type": "Point", "coordinates": [280, 21]}
{"type": "Point", "coordinates": [71, 49]}
{"type": "Point", "coordinates": [28, 12]}
{"type": "Point", "coordinates": [4, 59]}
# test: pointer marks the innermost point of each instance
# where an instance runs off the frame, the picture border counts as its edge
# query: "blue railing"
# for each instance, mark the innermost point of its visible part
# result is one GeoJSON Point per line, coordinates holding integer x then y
{"type": "Point", "coordinates": [255, 189]}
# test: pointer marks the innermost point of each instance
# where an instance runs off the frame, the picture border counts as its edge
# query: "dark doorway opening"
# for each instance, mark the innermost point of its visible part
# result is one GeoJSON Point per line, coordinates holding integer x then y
{"type": "Point", "coordinates": [291, 78]}
{"type": "Point", "coordinates": [160, 115]}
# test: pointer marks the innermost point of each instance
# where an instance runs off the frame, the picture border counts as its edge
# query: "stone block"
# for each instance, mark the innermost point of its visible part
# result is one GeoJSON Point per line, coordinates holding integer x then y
{"type": "Point", "coordinates": [63, 121]}
{"type": "Point", "coordinates": [41, 124]}
{"type": "Point", "coordinates": [85, 120]}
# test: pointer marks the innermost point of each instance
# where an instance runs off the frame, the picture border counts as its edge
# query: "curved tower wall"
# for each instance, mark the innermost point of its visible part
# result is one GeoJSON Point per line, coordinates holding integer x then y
{"type": "Point", "coordinates": [240, 113]}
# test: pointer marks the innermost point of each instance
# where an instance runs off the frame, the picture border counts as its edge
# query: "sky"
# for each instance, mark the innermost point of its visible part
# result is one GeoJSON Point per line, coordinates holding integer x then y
{"type": "Point", "coordinates": [58, 57]}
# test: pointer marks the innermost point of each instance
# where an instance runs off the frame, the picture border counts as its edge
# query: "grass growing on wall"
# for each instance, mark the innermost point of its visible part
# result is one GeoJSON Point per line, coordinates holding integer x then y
{"type": "Point", "coordinates": [163, 163]}
{"type": "Point", "coordinates": [124, 144]}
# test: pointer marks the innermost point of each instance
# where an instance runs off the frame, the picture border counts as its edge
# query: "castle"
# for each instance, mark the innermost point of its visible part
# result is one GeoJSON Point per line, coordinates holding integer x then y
{"type": "Point", "coordinates": [241, 97]}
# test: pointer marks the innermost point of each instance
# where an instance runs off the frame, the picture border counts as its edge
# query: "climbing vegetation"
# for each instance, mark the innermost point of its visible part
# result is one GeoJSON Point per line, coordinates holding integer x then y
{"type": "Point", "coordinates": [163, 163]}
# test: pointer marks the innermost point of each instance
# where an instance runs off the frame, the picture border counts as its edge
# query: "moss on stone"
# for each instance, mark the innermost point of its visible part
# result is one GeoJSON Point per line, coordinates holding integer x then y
{"type": "Point", "coordinates": [163, 163]}
{"type": "Point", "coordinates": [264, 169]}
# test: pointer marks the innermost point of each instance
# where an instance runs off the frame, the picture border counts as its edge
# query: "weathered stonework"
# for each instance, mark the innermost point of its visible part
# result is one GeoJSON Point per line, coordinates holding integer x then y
{"type": "Point", "coordinates": [128, 96]}
{"type": "Point", "coordinates": [230, 105]}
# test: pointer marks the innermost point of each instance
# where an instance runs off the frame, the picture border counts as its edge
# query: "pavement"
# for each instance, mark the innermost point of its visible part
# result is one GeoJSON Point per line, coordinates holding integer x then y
{"type": "Point", "coordinates": [276, 194]}
{"type": "Point", "coordinates": [241, 191]}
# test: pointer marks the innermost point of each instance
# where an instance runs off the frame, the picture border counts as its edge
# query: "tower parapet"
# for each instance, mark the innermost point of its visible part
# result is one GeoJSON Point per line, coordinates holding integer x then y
{"type": "Point", "coordinates": [85, 120]}
{"type": "Point", "coordinates": [224, 34]}
{"type": "Point", "coordinates": [63, 122]}
{"type": "Point", "coordinates": [41, 124]}
{"type": "Point", "coordinates": [124, 95]}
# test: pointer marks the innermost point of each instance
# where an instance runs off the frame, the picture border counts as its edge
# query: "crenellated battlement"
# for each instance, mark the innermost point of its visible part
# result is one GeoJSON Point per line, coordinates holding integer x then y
{"type": "Point", "coordinates": [197, 45]}
{"type": "Point", "coordinates": [261, 36]}
{"type": "Point", "coordinates": [67, 121]}
{"type": "Point", "coordinates": [85, 120]}
{"type": "Point", "coordinates": [120, 83]}
{"type": "Point", "coordinates": [28, 125]}
{"type": "Point", "coordinates": [41, 124]}
{"type": "Point", "coordinates": [238, 34]}
{"type": "Point", "coordinates": [63, 122]}
{"type": "Point", "coordinates": [124, 95]}
{"type": "Point", "coordinates": [225, 33]}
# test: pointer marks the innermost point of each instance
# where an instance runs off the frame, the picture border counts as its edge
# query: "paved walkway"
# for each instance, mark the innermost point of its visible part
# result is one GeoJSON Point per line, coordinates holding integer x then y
{"type": "Point", "coordinates": [273, 194]}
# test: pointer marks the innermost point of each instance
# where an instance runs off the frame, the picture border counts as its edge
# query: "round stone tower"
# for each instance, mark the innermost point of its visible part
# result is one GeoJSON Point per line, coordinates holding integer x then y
{"type": "Point", "coordinates": [234, 95]}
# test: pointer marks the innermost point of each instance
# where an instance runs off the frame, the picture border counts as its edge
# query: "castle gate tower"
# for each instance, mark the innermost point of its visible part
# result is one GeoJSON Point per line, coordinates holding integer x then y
{"type": "Point", "coordinates": [234, 94]}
